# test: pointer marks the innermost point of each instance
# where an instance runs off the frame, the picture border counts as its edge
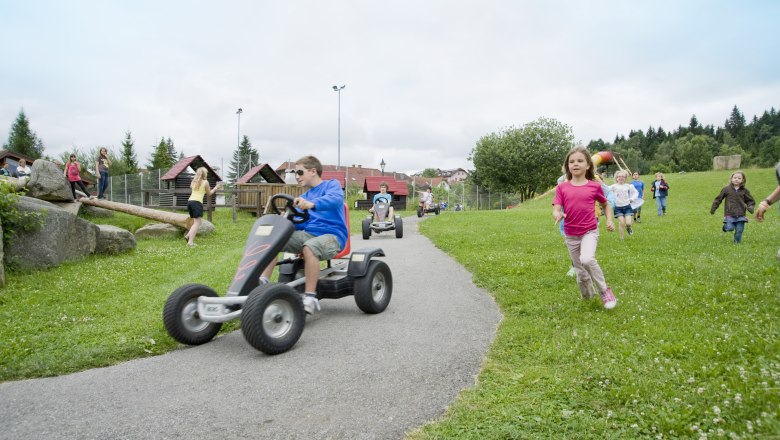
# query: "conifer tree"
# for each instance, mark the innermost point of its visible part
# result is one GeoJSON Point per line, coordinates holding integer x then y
{"type": "Point", "coordinates": [128, 154]}
{"type": "Point", "coordinates": [244, 158]}
{"type": "Point", "coordinates": [22, 139]}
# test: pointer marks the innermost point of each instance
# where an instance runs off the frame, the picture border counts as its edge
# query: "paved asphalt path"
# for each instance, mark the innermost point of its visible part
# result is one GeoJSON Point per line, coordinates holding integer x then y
{"type": "Point", "coordinates": [350, 376]}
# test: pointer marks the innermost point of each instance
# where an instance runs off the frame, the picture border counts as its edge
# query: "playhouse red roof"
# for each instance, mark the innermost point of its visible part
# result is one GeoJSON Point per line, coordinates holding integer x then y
{"type": "Point", "coordinates": [194, 162]}
{"type": "Point", "coordinates": [265, 171]}
{"type": "Point", "coordinates": [338, 175]}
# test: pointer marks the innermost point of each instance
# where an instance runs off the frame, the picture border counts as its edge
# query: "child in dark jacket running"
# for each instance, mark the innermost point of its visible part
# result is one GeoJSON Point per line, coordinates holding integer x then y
{"type": "Point", "coordinates": [738, 200]}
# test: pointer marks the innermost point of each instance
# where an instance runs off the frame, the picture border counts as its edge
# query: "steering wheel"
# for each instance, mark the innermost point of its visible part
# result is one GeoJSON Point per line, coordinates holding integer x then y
{"type": "Point", "coordinates": [382, 198]}
{"type": "Point", "coordinates": [291, 213]}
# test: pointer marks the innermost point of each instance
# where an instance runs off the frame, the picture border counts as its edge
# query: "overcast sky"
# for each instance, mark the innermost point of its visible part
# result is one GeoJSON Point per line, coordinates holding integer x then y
{"type": "Point", "coordinates": [424, 79]}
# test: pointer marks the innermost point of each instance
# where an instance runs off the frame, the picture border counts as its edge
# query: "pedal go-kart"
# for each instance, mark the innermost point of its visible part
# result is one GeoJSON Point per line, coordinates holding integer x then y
{"type": "Point", "coordinates": [381, 209]}
{"type": "Point", "coordinates": [272, 315]}
{"type": "Point", "coordinates": [432, 208]}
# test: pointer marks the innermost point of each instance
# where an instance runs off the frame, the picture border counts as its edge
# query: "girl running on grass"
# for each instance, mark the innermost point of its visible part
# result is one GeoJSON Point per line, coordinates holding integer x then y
{"type": "Point", "coordinates": [738, 200]}
{"type": "Point", "coordinates": [625, 195]}
{"type": "Point", "coordinates": [576, 197]}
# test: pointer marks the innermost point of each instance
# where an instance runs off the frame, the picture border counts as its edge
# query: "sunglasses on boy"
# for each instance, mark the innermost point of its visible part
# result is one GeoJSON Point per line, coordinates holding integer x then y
{"type": "Point", "coordinates": [299, 172]}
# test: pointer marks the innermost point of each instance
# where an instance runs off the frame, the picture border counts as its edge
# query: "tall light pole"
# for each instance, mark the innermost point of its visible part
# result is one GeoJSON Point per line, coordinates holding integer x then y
{"type": "Point", "coordinates": [339, 89]}
{"type": "Point", "coordinates": [382, 165]}
{"type": "Point", "coordinates": [238, 144]}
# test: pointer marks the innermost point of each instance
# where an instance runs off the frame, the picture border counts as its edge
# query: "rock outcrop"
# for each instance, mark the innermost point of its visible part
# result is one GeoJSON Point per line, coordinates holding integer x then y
{"type": "Point", "coordinates": [47, 182]}
{"type": "Point", "coordinates": [63, 237]}
{"type": "Point", "coordinates": [114, 240]}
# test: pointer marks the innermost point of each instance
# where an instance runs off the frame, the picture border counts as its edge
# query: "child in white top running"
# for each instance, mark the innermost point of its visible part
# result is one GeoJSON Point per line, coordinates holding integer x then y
{"type": "Point", "coordinates": [625, 194]}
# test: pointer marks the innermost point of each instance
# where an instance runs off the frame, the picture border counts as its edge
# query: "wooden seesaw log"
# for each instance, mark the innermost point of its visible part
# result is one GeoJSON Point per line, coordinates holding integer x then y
{"type": "Point", "coordinates": [180, 220]}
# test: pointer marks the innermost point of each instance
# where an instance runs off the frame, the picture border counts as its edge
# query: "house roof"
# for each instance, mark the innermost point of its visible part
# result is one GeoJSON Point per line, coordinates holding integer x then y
{"type": "Point", "coordinates": [193, 162]}
{"type": "Point", "coordinates": [340, 176]}
{"type": "Point", "coordinates": [16, 156]}
{"type": "Point", "coordinates": [395, 187]}
{"type": "Point", "coordinates": [265, 171]}
{"type": "Point", "coordinates": [353, 174]}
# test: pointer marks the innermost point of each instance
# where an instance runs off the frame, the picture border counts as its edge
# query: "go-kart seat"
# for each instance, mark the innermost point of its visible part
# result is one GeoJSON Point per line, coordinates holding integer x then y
{"type": "Point", "coordinates": [344, 252]}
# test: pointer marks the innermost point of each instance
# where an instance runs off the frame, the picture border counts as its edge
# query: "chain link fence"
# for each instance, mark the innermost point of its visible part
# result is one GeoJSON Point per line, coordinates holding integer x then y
{"type": "Point", "coordinates": [129, 189]}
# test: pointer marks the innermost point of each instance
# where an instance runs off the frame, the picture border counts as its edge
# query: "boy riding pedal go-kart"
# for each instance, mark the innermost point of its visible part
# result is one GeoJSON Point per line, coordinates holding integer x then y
{"type": "Point", "coordinates": [382, 218]}
{"type": "Point", "coordinates": [315, 226]}
{"type": "Point", "coordinates": [426, 204]}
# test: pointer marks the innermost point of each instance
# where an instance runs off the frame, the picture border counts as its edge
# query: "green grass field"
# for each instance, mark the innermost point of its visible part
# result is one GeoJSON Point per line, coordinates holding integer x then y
{"type": "Point", "coordinates": [690, 351]}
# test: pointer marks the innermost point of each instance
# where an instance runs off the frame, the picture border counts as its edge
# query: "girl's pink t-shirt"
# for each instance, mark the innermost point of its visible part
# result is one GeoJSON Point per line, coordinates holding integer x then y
{"type": "Point", "coordinates": [73, 172]}
{"type": "Point", "coordinates": [578, 204]}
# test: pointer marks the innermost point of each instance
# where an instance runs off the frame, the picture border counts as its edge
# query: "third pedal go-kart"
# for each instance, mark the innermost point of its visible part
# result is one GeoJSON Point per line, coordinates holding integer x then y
{"type": "Point", "coordinates": [272, 315]}
{"type": "Point", "coordinates": [382, 224]}
{"type": "Point", "coordinates": [433, 207]}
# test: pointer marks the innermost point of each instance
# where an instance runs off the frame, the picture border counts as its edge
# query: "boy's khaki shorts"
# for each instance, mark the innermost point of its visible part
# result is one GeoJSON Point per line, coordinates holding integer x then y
{"type": "Point", "coordinates": [324, 247]}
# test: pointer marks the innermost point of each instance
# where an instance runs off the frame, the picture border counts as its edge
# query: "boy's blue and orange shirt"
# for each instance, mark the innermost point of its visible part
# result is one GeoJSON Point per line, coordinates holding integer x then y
{"type": "Point", "coordinates": [327, 217]}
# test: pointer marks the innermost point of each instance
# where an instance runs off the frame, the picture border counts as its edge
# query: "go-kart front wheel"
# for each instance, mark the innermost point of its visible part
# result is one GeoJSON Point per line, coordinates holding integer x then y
{"type": "Point", "coordinates": [273, 318]}
{"type": "Point", "coordinates": [373, 291]}
{"type": "Point", "coordinates": [366, 228]}
{"type": "Point", "coordinates": [181, 319]}
{"type": "Point", "coordinates": [399, 226]}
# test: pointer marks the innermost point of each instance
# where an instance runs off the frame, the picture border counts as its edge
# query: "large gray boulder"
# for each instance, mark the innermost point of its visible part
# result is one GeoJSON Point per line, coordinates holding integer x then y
{"type": "Point", "coordinates": [63, 237]}
{"type": "Point", "coordinates": [165, 230]}
{"type": "Point", "coordinates": [114, 240]}
{"type": "Point", "coordinates": [47, 182]}
{"type": "Point", "coordinates": [158, 230]}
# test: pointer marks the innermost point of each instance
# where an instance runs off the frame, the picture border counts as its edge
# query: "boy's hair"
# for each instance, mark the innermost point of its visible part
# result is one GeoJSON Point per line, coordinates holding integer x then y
{"type": "Point", "coordinates": [381, 184]}
{"type": "Point", "coordinates": [590, 174]}
{"type": "Point", "coordinates": [201, 175]}
{"type": "Point", "coordinates": [744, 178]}
{"type": "Point", "coordinates": [310, 162]}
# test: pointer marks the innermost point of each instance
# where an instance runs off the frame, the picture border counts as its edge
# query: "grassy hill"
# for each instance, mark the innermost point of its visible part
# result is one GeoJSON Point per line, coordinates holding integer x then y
{"type": "Point", "coordinates": [690, 351]}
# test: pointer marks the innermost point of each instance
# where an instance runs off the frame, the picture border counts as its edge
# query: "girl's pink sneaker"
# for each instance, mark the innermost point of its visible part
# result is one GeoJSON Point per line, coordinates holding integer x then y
{"type": "Point", "coordinates": [608, 299]}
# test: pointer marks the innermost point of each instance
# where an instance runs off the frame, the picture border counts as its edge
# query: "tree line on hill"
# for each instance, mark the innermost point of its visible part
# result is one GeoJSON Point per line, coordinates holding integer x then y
{"type": "Point", "coordinates": [527, 160]}
{"type": "Point", "coordinates": [692, 148]}
{"type": "Point", "coordinates": [23, 140]}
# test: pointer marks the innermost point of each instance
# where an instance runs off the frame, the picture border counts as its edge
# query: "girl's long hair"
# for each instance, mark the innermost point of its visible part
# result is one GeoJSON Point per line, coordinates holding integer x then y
{"type": "Point", "coordinates": [200, 177]}
{"type": "Point", "coordinates": [590, 174]}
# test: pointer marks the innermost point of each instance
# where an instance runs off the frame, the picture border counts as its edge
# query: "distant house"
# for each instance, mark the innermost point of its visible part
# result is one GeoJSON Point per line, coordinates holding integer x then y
{"type": "Point", "coordinates": [353, 174]}
{"type": "Point", "coordinates": [340, 176]}
{"type": "Point", "coordinates": [454, 175]}
{"type": "Point", "coordinates": [180, 177]}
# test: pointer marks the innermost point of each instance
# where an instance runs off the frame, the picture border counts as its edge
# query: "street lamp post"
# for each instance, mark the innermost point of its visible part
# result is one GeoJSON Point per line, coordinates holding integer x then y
{"type": "Point", "coordinates": [382, 165]}
{"type": "Point", "coordinates": [339, 89]}
{"type": "Point", "coordinates": [238, 144]}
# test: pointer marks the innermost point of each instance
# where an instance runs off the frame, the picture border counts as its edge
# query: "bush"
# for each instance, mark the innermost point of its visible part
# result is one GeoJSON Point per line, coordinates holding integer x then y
{"type": "Point", "coordinates": [11, 218]}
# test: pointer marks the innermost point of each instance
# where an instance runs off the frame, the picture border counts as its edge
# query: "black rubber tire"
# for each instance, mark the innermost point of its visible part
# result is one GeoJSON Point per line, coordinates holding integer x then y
{"type": "Point", "coordinates": [420, 210]}
{"type": "Point", "coordinates": [373, 291]}
{"type": "Point", "coordinates": [437, 210]}
{"type": "Point", "coordinates": [273, 318]}
{"type": "Point", "coordinates": [366, 228]}
{"type": "Point", "coordinates": [399, 226]}
{"type": "Point", "coordinates": [180, 315]}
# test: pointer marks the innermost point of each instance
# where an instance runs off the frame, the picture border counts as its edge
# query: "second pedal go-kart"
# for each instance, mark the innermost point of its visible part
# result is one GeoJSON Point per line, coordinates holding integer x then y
{"type": "Point", "coordinates": [382, 224]}
{"type": "Point", "coordinates": [272, 315]}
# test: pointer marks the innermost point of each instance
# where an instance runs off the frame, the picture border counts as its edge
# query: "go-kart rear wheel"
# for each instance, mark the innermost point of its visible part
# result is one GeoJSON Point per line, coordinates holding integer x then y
{"type": "Point", "coordinates": [420, 211]}
{"type": "Point", "coordinates": [272, 319]}
{"type": "Point", "coordinates": [373, 291]}
{"type": "Point", "coordinates": [437, 210]}
{"type": "Point", "coordinates": [181, 319]}
{"type": "Point", "coordinates": [366, 228]}
{"type": "Point", "coordinates": [399, 226]}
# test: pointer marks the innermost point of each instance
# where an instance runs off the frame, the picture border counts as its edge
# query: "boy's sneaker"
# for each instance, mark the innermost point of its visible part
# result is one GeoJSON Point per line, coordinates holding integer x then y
{"type": "Point", "coordinates": [572, 272]}
{"type": "Point", "coordinates": [310, 303]}
{"type": "Point", "coordinates": [608, 299]}
{"type": "Point", "coordinates": [630, 230]}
